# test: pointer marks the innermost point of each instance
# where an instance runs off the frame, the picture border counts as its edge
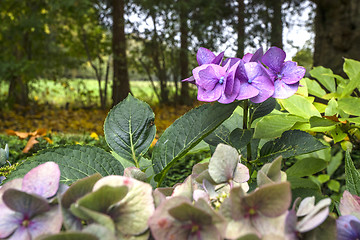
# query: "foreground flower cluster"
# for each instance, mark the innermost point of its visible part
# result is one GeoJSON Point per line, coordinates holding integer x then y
{"type": "Point", "coordinates": [256, 76]}
{"type": "Point", "coordinates": [213, 203]}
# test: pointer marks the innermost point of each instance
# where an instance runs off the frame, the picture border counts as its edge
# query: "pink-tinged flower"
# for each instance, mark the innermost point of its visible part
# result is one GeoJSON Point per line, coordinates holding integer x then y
{"type": "Point", "coordinates": [205, 56]}
{"type": "Point", "coordinates": [286, 75]}
{"type": "Point", "coordinates": [216, 83]}
{"type": "Point", "coordinates": [350, 204]}
{"type": "Point", "coordinates": [255, 83]}
{"type": "Point", "coordinates": [25, 210]}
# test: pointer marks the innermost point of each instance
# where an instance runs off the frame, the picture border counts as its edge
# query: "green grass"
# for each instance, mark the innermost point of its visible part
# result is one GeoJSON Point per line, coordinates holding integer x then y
{"type": "Point", "coordinates": [82, 92]}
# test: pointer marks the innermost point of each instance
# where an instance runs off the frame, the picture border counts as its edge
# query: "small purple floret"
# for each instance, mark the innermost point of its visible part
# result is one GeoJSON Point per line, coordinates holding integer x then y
{"type": "Point", "coordinates": [286, 75]}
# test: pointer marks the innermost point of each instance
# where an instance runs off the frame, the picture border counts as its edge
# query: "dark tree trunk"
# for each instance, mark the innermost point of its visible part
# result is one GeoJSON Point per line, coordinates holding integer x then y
{"type": "Point", "coordinates": [240, 29]}
{"type": "Point", "coordinates": [184, 61]}
{"type": "Point", "coordinates": [121, 86]}
{"type": "Point", "coordinates": [337, 28]}
{"type": "Point", "coordinates": [276, 24]}
{"type": "Point", "coordinates": [18, 92]}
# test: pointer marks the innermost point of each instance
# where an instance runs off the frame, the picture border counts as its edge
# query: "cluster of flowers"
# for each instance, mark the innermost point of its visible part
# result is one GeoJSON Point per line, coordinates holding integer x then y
{"type": "Point", "coordinates": [256, 76]}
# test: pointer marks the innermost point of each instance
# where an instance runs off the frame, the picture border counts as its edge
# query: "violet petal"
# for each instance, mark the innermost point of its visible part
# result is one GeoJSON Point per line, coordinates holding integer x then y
{"type": "Point", "coordinates": [217, 60]}
{"type": "Point", "coordinates": [257, 55]}
{"type": "Point", "coordinates": [265, 87]}
{"type": "Point", "coordinates": [210, 96]}
{"type": "Point", "coordinates": [247, 91]}
{"type": "Point", "coordinates": [282, 90]}
{"type": "Point", "coordinates": [207, 76]}
{"type": "Point", "coordinates": [21, 233]}
{"type": "Point", "coordinates": [204, 56]}
{"type": "Point", "coordinates": [274, 58]}
{"type": "Point", "coordinates": [292, 73]}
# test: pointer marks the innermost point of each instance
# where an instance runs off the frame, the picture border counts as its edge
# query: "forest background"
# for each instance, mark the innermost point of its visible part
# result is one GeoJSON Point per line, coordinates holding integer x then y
{"type": "Point", "coordinates": [63, 64]}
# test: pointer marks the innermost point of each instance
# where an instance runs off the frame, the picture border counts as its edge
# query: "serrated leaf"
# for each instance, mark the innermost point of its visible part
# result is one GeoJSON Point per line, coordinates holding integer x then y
{"type": "Point", "coordinates": [239, 138]}
{"type": "Point", "coordinates": [222, 133]}
{"type": "Point", "coordinates": [258, 110]}
{"type": "Point", "coordinates": [306, 167]}
{"type": "Point", "coordinates": [75, 162]}
{"type": "Point", "coordinates": [352, 176]}
{"type": "Point", "coordinates": [291, 143]}
{"type": "Point", "coordinates": [129, 129]}
{"type": "Point", "coordinates": [324, 76]}
{"type": "Point", "coordinates": [186, 132]}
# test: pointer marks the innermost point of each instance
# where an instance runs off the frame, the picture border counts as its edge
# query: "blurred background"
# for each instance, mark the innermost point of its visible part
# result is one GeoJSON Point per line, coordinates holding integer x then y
{"type": "Point", "coordinates": [64, 63]}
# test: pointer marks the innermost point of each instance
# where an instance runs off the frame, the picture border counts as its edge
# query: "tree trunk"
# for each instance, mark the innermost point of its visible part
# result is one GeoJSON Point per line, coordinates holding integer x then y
{"type": "Point", "coordinates": [276, 24]}
{"type": "Point", "coordinates": [240, 29]}
{"type": "Point", "coordinates": [184, 61]}
{"type": "Point", "coordinates": [337, 28]}
{"type": "Point", "coordinates": [121, 86]}
{"type": "Point", "coordinates": [18, 92]}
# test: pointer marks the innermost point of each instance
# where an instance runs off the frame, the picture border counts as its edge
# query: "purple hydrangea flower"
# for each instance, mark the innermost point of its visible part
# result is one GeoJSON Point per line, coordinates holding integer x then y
{"type": "Point", "coordinates": [348, 227]}
{"type": "Point", "coordinates": [286, 75]}
{"type": "Point", "coordinates": [216, 83]}
{"type": "Point", "coordinates": [255, 83]}
{"type": "Point", "coordinates": [205, 56]}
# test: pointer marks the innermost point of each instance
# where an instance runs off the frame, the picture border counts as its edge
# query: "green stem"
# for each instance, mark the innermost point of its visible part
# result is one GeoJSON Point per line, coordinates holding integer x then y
{"type": "Point", "coordinates": [246, 126]}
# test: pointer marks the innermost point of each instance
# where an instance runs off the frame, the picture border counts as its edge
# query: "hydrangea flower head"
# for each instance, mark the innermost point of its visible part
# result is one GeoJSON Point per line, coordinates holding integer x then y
{"type": "Point", "coordinates": [286, 75]}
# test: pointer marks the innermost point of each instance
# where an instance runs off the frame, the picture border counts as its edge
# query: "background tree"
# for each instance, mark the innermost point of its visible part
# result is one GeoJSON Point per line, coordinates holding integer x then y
{"type": "Point", "coordinates": [121, 85]}
{"type": "Point", "coordinates": [337, 28]}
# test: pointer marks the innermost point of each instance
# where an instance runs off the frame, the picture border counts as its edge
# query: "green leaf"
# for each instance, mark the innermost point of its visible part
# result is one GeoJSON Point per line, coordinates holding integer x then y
{"type": "Point", "coordinates": [314, 88]}
{"type": "Point", "coordinates": [352, 68]}
{"type": "Point", "coordinates": [129, 129]}
{"type": "Point", "coordinates": [258, 110]}
{"type": "Point", "coordinates": [352, 176]}
{"type": "Point", "coordinates": [68, 236]}
{"type": "Point", "coordinates": [321, 122]}
{"type": "Point", "coordinates": [332, 108]}
{"type": "Point", "coordinates": [306, 167]}
{"type": "Point", "coordinates": [298, 182]}
{"type": "Point", "coordinates": [75, 162]}
{"type": "Point", "coordinates": [186, 132]}
{"type": "Point", "coordinates": [274, 125]}
{"type": "Point", "coordinates": [291, 143]}
{"type": "Point", "coordinates": [334, 163]}
{"type": "Point", "coordinates": [239, 138]}
{"type": "Point", "coordinates": [348, 105]}
{"type": "Point", "coordinates": [299, 106]}
{"type": "Point", "coordinates": [322, 75]}
{"type": "Point", "coordinates": [337, 134]}
{"type": "Point", "coordinates": [323, 178]}
{"type": "Point", "coordinates": [222, 133]}
{"type": "Point", "coordinates": [333, 185]}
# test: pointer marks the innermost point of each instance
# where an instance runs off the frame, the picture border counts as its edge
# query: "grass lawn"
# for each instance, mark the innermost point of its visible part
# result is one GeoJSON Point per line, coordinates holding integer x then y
{"type": "Point", "coordinates": [82, 92]}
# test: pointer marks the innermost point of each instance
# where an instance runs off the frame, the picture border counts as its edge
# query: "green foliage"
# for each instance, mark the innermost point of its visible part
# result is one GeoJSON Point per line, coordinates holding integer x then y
{"type": "Point", "coordinates": [186, 133]}
{"type": "Point", "coordinates": [75, 162]}
{"type": "Point", "coordinates": [129, 129]}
